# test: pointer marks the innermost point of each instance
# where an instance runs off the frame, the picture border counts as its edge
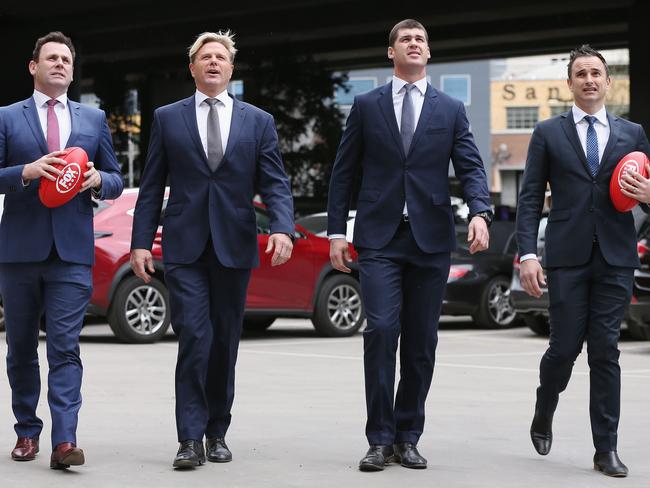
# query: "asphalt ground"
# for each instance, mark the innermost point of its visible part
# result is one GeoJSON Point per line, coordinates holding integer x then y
{"type": "Point", "coordinates": [299, 414]}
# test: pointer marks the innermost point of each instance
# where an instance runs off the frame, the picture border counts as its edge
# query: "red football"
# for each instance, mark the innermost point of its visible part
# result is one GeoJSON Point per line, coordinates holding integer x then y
{"type": "Point", "coordinates": [65, 187]}
{"type": "Point", "coordinates": [635, 161]}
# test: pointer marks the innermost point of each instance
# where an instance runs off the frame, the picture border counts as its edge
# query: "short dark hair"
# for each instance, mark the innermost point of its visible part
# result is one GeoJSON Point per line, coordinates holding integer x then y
{"type": "Point", "coordinates": [55, 36]}
{"type": "Point", "coordinates": [405, 24]}
{"type": "Point", "coordinates": [585, 51]}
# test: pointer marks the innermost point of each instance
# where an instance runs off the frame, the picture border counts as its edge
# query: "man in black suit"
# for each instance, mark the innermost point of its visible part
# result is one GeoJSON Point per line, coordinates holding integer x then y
{"type": "Point", "coordinates": [590, 250]}
{"type": "Point", "coordinates": [403, 135]}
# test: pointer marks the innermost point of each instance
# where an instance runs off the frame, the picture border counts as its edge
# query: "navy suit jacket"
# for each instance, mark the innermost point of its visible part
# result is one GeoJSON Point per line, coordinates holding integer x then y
{"type": "Point", "coordinates": [203, 203]}
{"type": "Point", "coordinates": [28, 228]}
{"type": "Point", "coordinates": [581, 204]}
{"type": "Point", "coordinates": [371, 142]}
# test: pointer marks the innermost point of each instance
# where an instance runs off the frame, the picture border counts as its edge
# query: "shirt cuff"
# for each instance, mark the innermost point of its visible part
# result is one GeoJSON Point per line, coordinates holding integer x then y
{"type": "Point", "coordinates": [336, 236]}
{"type": "Point", "coordinates": [526, 257]}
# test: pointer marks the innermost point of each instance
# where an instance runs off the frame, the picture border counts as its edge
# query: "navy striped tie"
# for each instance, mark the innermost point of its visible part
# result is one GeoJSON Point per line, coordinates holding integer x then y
{"type": "Point", "coordinates": [592, 145]}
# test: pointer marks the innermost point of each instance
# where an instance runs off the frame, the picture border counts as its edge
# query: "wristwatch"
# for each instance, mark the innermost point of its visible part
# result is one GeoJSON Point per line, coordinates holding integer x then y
{"type": "Point", "coordinates": [487, 216]}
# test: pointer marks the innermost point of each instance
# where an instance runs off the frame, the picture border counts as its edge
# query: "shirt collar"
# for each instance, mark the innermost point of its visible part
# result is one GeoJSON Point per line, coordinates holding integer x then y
{"type": "Point", "coordinates": [41, 99]}
{"type": "Point", "coordinates": [398, 84]}
{"type": "Point", "coordinates": [579, 114]}
{"type": "Point", "coordinates": [223, 97]}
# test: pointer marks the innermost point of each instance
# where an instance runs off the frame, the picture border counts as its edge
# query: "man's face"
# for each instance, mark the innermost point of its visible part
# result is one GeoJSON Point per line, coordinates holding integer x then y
{"type": "Point", "coordinates": [589, 82]}
{"type": "Point", "coordinates": [410, 50]}
{"type": "Point", "coordinates": [53, 71]}
{"type": "Point", "coordinates": [211, 68]}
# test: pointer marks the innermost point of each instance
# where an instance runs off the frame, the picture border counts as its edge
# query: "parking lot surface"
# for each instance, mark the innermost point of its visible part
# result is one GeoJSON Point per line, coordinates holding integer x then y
{"type": "Point", "coordinates": [299, 416]}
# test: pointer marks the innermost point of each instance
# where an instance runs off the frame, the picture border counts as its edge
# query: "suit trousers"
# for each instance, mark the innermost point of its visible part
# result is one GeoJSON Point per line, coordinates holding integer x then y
{"type": "Point", "coordinates": [61, 291]}
{"type": "Point", "coordinates": [402, 291]}
{"type": "Point", "coordinates": [207, 308]}
{"type": "Point", "coordinates": [587, 303]}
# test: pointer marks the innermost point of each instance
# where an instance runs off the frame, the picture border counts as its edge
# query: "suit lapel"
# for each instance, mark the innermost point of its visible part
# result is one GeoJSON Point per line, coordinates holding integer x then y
{"type": "Point", "coordinates": [236, 124]}
{"type": "Point", "coordinates": [611, 142]}
{"type": "Point", "coordinates": [428, 107]}
{"type": "Point", "coordinates": [31, 115]}
{"type": "Point", "coordinates": [189, 116]}
{"type": "Point", "coordinates": [388, 111]}
{"type": "Point", "coordinates": [75, 122]}
{"type": "Point", "coordinates": [569, 127]}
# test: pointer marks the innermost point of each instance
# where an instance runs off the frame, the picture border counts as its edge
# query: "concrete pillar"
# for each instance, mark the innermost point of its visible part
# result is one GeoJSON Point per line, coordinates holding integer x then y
{"type": "Point", "coordinates": [640, 64]}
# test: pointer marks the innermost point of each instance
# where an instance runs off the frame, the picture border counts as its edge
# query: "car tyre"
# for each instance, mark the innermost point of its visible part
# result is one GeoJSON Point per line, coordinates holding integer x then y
{"type": "Point", "coordinates": [257, 324]}
{"type": "Point", "coordinates": [539, 324]}
{"type": "Point", "coordinates": [495, 309]}
{"type": "Point", "coordinates": [139, 312]}
{"type": "Point", "coordinates": [339, 309]}
{"type": "Point", "coordinates": [637, 330]}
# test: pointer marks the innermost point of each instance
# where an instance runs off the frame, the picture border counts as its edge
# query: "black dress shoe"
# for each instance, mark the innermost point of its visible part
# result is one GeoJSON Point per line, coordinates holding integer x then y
{"type": "Point", "coordinates": [376, 458]}
{"type": "Point", "coordinates": [609, 463]}
{"type": "Point", "coordinates": [541, 433]}
{"type": "Point", "coordinates": [190, 454]}
{"type": "Point", "coordinates": [406, 453]}
{"type": "Point", "coordinates": [217, 451]}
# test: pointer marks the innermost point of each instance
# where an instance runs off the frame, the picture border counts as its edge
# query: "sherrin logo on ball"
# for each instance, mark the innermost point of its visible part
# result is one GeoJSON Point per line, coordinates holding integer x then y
{"type": "Point", "coordinates": [634, 161]}
{"type": "Point", "coordinates": [68, 183]}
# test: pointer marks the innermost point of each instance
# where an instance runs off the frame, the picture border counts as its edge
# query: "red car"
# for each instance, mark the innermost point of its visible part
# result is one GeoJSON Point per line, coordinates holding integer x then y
{"type": "Point", "coordinates": [306, 286]}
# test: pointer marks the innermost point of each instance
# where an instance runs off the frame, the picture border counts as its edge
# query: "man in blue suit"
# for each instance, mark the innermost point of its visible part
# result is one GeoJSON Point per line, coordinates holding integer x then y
{"type": "Point", "coordinates": [590, 250]}
{"type": "Point", "coordinates": [46, 254]}
{"type": "Point", "coordinates": [218, 153]}
{"type": "Point", "coordinates": [401, 137]}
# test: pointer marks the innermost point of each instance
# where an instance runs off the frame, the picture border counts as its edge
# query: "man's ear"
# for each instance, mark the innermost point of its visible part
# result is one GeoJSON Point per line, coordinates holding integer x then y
{"type": "Point", "coordinates": [391, 52]}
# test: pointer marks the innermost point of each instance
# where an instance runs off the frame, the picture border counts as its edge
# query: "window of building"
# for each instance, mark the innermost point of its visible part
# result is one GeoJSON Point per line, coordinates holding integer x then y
{"type": "Point", "coordinates": [354, 86]}
{"type": "Point", "coordinates": [559, 109]}
{"type": "Point", "coordinates": [457, 86]}
{"type": "Point", "coordinates": [236, 88]}
{"type": "Point", "coordinates": [522, 117]}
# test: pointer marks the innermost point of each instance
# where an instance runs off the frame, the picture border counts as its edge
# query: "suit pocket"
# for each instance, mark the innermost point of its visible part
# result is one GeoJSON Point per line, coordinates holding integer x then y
{"type": "Point", "coordinates": [440, 199]}
{"type": "Point", "coordinates": [436, 130]}
{"type": "Point", "coordinates": [559, 215]}
{"type": "Point", "coordinates": [368, 196]}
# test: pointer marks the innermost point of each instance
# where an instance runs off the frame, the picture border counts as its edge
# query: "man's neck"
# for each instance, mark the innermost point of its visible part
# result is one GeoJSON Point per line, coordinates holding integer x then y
{"type": "Point", "coordinates": [212, 92]}
{"type": "Point", "coordinates": [410, 77]}
{"type": "Point", "coordinates": [591, 109]}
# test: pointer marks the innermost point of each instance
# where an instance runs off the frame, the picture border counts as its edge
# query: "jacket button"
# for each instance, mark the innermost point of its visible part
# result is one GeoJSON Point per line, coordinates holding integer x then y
{"type": "Point", "coordinates": [12, 188]}
{"type": "Point", "coordinates": [591, 209]}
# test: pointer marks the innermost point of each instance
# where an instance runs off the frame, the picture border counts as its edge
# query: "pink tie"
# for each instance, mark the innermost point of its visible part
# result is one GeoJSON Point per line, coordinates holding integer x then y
{"type": "Point", "coordinates": [53, 137]}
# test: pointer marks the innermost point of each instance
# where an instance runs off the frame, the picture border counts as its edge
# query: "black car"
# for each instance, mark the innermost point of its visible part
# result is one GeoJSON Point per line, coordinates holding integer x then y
{"type": "Point", "coordinates": [534, 311]}
{"type": "Point", "coordinates": [479, 284]}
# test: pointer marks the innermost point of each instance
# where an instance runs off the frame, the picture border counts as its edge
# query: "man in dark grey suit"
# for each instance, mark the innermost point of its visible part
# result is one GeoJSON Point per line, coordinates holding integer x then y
{"type": "Point", "coordinates": [590, 250]}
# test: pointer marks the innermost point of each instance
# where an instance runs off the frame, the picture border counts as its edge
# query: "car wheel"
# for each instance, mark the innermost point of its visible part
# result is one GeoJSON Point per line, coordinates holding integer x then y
{"type": "Point", "coordinates": [495, 310]}
{"type": "Point", "coordinates": [339, 309]}
{"type": "Point", "coordinates": [638, 330]}
{"type": "Point", "coordinates": [257, 324]}
{"type": "Point", "coordinates": [538, 324]}
{"type": "Point", "coordinates": [139, 312]}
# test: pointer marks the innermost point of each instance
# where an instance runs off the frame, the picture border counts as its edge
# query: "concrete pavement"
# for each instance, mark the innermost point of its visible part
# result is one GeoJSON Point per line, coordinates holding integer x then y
{"type": "Point", "coordinates": [299, 415]}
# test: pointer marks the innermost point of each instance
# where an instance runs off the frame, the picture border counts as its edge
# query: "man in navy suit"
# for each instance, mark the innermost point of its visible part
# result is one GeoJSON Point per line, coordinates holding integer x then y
{"type": "Point", "coordinates": [46, 254]}
{"type": "Point", "coordinates": [218, 153]}
{"type": "Point", "coordinates": [402, 136]}
{"type": "Point", "coordinates": [590, 250]}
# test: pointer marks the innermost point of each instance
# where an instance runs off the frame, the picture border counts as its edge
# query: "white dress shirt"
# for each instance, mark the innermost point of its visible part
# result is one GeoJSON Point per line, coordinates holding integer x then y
{"type": "Point", "coordinates": [601, 126]}
{"type": "Point", "coordinates": [417, 98]}
{"type": "Point", "coordinates": [224, 109]}
{"type": "Point", "coordinates": [62, 114]}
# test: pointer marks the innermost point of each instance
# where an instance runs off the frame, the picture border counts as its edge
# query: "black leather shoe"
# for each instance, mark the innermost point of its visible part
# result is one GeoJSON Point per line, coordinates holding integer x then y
{"type": "Point", "coordinates": [376, 458]}
{"type": "Point", "coordinates": [406, 453]}
{"type": "Point", "coordinates": [541, 433]}
{"type": "Point", "coordinates": [609, 463]}
{"type": "Point", "coordinates": [190, 454]}
{"type": "Point", "coordinates": [217, 451]}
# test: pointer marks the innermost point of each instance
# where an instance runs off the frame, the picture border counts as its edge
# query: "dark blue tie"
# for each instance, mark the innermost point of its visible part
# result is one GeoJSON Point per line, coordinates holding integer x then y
{"type": "Point", "coordinates": [592, 145]}
{"type": "Point", "coordinates": [407, 125]}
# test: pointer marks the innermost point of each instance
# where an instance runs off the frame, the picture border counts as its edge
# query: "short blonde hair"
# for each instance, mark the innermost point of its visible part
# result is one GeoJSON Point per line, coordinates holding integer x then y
{"type": "Point", "coordinates": [227, 38]}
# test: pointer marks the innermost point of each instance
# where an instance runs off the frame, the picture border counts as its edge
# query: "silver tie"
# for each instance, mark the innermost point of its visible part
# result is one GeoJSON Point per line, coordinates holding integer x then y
{"type": "Point", "coordinates": [215, 148]}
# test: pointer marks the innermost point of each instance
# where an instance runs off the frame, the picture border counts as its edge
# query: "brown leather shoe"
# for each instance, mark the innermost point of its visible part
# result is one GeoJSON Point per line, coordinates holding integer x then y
{"type": "Point", "coordinates": [65, 455]}
{"type": "Point", "coordinates": [26, 449]}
